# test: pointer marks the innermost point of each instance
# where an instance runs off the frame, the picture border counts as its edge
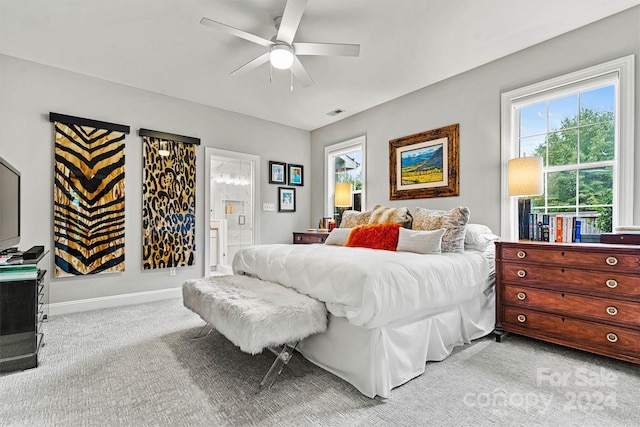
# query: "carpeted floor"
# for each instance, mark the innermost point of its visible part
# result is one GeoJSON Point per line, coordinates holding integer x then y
{"type": "Point", "coordinates": [138, 366]}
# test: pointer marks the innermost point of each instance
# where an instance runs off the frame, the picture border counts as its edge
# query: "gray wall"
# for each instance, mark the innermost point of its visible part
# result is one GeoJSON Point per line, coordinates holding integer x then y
{"type": "Point", "coordinates": [472, 99]}
{"type": "Point", "coordinates": [30, 91]}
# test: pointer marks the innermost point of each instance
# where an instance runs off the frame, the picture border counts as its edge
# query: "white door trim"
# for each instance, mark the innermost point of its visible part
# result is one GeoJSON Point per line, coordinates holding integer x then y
{"type": "Point", "coordinates": [255, 196]}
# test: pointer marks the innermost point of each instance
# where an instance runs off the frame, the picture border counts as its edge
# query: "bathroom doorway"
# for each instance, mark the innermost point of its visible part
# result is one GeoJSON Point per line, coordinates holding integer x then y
{"type": "Point", "coordinates": [231, 199]}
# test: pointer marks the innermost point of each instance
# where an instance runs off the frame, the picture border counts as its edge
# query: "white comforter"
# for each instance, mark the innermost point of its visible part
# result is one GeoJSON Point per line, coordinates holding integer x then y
{"type": "Point", "coordinates": [370, 288]}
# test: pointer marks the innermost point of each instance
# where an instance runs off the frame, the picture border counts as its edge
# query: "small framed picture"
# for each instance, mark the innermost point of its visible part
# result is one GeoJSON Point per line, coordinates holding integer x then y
{"type": "Point", "coordinates": [286, 199]}
{"type": "Point", "coordinates": [277, 172]}
{"type": "Point", "coordinates": [295, 174]}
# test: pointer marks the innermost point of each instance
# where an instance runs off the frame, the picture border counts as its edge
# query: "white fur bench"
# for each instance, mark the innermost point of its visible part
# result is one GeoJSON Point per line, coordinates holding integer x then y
{"type": "Point", "coordinates": [255, 314]}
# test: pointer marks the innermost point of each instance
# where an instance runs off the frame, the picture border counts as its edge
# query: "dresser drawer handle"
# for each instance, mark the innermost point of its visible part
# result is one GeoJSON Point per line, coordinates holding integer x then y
{"type": "Point", "coordinates": [522, 318]}
{"type": "Point", "coordinates": [298, 237]}
{"type": "Point", "coordinates": [612, 310]}
{"type": "Point", "coordinates": [522, 273]}
{"type": "Point", "coordinates": [611, 337]}
{"type": "Point", "coordinates": [521, 254]}
{"type": "Point", "coordinates": [522, 296]}
{"type": "Point", "coordinates": [612, 283]}
{"type": "Point", "coordinates": [611, 260]}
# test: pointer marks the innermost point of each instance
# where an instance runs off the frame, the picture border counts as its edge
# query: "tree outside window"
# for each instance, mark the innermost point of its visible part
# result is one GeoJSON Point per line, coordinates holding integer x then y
{"type": "Point", "coordinates": [345, 163]}
{"type": "Point", "coordinates": [575, 135]}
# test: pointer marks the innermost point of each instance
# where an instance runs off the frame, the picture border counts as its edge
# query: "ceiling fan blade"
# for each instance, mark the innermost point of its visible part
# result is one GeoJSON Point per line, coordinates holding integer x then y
{"type": "Point", "coordinates": [253, 64]}
{"type": "Point", "coordinates": [290, 20]}
{"type": "Point", "coordinates": [300, 73]}
{"type": "Point", "coordinates": [327, 49]}
{"type": "Point", "coordinates": [236, 32]}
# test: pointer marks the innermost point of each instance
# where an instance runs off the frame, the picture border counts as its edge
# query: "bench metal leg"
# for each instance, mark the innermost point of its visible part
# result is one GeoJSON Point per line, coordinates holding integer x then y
{"type": "Point", "coordinates": [283, 357]}
{"type": "Point", "coordinates": [201, 333]}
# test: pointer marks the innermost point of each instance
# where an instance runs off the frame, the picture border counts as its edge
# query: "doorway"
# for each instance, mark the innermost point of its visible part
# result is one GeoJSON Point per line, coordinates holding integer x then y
{"type": "Point", "coordinates": [231, 199]}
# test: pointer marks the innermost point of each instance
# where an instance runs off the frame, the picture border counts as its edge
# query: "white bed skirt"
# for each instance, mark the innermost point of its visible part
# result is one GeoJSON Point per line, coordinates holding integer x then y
{"type": "Point", "coordinates": [377, 360]}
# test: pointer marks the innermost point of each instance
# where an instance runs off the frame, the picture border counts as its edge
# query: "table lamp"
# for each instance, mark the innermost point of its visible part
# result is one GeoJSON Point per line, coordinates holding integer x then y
{"type": "Point", "coordinates": [343, 195]}
{"type": "Point", "coordinates": [342, 199]}
{"type": "Point", "coordinates": [525, 179]}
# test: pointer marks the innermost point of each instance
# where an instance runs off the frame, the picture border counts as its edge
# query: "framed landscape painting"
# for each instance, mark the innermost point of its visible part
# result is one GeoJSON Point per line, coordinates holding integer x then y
{"type": "Point", "coordinates": [425, 164]}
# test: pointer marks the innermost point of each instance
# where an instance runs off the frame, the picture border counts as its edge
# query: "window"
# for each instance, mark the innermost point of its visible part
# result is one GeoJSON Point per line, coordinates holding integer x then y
{"type": "Point", "coordinates": [582, 126]}
{"type": "Point", "coordinates": [345, 162]}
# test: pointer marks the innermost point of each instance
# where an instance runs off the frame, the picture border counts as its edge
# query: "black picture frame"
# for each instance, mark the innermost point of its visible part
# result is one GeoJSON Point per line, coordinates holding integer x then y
{"type": "Point", "coordinates": [286, 199]}
{"type": "Point", "coordinates": [295, 174]}
{"type": "Point", "coordinates": [277, 172]}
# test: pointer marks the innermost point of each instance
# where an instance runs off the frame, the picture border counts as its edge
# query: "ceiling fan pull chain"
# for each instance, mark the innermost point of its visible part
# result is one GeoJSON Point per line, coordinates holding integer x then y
{"type": "Point", "coordinates": [291, 77]}
{"type": "Point", "coordinates": [270, 73]}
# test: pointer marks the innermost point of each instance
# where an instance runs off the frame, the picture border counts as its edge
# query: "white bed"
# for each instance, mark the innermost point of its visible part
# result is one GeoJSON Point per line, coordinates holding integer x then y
{"type": "Point", "coordinates": [390, 312]}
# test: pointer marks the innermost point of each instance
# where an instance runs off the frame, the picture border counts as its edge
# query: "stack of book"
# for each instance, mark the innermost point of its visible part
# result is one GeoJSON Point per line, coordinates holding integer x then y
{"type": "Point", "coordinates": [18, 272]}
{"type": "Point", "coordinates": [554, 228]}
{"type": "Point", "coordinates": [568, 229]}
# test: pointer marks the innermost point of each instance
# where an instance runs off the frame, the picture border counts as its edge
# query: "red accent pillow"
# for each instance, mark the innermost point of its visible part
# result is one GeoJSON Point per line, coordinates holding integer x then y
{"type": "Point", "coordinates": [374, 236]}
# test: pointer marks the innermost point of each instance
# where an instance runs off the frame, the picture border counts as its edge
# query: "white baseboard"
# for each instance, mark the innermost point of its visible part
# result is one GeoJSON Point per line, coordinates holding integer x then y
{"type": "Point", "coordinates": [112, 301]}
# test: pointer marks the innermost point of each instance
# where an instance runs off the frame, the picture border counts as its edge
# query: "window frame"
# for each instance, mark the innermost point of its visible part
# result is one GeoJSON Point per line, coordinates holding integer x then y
{"type": "Point", "coordinates": [623, 177]}
{"type": "Point", "coordinates": [334, 150]}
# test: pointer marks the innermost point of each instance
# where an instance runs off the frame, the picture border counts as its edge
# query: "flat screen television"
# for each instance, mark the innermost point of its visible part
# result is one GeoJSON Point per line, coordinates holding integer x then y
{"type": "Point", "coordinates": [9, 205]}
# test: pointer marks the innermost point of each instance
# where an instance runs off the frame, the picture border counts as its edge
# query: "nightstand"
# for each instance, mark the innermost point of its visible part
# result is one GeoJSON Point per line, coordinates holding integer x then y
{"type": "Point", "coordinates": [306, 237]}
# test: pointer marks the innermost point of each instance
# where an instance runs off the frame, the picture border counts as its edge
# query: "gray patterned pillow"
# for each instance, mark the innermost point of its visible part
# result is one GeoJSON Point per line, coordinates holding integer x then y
{"type": "Point", "coordinates": [352, 218]}
{"type": "Point", "coordinates": [453, 221]}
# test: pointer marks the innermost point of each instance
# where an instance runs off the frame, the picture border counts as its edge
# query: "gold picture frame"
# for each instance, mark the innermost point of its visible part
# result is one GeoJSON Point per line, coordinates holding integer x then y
{"type": "Point", "coordinates": [425, 165]}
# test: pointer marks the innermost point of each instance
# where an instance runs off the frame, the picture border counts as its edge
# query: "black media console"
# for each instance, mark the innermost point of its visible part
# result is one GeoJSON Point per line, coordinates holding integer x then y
{"type": "Point", "coordinates": [21, 314]}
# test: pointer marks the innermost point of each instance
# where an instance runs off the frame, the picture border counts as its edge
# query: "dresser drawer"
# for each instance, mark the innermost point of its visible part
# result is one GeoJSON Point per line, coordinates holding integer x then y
{"type": "Point", "coordinates": [592, 257]}
{"type": "Point", "coordinates": [608, 284]}
{"type": "Point", "coordinates": [578, 333]}
{"type": "Point", "coordinates": [568, 304]}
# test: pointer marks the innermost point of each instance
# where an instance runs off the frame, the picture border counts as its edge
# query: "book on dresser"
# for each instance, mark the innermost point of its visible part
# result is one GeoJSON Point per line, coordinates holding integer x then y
{"type": "Point", "coordinates": [584, 296]}
{"type": "Point", "coordinates": [555, 228]}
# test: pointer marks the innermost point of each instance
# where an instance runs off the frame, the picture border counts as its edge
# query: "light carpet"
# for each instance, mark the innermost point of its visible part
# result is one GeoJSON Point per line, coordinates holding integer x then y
{"type": "Point", "coordinates": [138, 365]}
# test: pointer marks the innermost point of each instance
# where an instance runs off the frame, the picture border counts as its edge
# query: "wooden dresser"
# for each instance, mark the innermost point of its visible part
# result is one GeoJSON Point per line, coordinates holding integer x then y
{"type": "Point", "coordinates": [585, 296]}
{"type": "Point", "coordinates": [306, 237]}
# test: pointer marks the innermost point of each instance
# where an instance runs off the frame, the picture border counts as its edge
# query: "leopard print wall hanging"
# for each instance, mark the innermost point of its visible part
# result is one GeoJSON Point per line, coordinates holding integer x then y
{"type": "Point", "coordinates": [168, 203]}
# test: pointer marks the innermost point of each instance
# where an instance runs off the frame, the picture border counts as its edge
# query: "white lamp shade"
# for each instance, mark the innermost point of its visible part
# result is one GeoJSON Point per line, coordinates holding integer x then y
{"type": "Point", "coordinates": [525, 176]}
{"type": "Point", "coordinates": [343, 195]}
{"type": "Point", "coordinates": [281, 56]}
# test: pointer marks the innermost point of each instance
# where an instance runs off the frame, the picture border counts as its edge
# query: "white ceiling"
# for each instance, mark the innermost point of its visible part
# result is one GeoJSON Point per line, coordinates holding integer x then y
{"type": "Point", "coordinates": [159, 45]}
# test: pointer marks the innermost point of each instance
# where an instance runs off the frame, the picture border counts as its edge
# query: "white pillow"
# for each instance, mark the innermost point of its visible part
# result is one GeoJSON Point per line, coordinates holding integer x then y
{"type": "Point", "coordinates": [420, 242]}
{"type": "Point", "coordinates": [474, 231]}
{"type": "Point", "coordinates": [479, 237]}
{"type": "Point", "coordinates": [338, 236]}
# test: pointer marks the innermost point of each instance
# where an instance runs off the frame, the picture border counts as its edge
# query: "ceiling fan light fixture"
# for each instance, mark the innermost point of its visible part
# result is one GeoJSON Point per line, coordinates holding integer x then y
{"type": "Point", "coordinates": [281, 56]}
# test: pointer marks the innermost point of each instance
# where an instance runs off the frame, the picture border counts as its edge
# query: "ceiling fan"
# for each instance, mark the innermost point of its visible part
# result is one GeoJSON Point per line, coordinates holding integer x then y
{"type": "Point", "coordinates": [283, 51]}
